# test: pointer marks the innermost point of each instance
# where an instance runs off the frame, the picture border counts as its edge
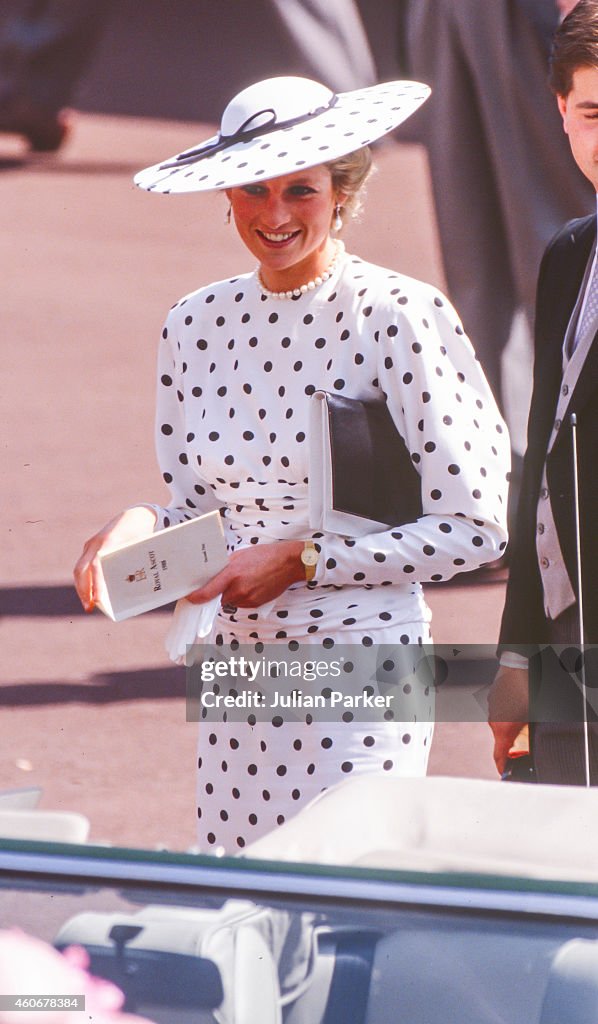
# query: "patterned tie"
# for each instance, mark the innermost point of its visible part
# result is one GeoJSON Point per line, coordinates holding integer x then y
{"type": "Point", "coordinates": [588, 325]}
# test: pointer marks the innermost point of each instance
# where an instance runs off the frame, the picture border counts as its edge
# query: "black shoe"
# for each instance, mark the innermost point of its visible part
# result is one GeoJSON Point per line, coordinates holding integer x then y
{"type": "Point", "coordinates": [45, 130]}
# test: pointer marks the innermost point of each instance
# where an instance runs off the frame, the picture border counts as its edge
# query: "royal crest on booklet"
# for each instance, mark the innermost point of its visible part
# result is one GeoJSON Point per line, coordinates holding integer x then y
{"type": "Point", "coordinates": [163, 567]}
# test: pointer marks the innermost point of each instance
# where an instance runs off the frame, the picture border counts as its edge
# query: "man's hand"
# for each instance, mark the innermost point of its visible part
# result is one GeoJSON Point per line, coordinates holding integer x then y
{"type": "Point", "coordinates": [508, 710]}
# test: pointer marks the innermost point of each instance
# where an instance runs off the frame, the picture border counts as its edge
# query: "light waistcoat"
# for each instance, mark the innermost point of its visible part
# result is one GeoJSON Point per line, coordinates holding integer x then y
{"type": "Point", "coordinates": [557, 587]}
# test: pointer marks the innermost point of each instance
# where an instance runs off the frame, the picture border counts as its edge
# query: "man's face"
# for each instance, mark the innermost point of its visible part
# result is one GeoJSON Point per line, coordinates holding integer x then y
{"type": "Point", "coordinates": [579, 110]}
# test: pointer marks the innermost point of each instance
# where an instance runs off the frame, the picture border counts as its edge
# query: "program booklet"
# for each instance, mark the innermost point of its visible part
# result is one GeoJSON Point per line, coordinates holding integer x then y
{"type": "Point", "coordinates": [163, 567]}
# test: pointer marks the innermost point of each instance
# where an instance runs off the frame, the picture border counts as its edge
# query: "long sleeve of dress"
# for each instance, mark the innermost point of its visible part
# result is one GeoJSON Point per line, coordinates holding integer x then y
{"type": "Point", "coordinates": [444, 409]}
{"type": "Point", "coordinates": [190, 496]}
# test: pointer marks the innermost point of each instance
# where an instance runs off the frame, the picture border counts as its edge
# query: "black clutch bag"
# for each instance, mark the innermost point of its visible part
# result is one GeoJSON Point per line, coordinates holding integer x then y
{"type": "Point", "coordinates": [361, 476]}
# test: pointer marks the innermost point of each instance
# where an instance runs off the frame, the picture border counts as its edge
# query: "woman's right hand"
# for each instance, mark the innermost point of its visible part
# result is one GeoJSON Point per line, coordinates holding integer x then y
{"type": "Point", "coordinates": [131, 525]}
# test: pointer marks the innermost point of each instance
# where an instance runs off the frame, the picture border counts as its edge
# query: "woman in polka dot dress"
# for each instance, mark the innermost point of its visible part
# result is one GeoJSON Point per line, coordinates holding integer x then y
{"type": "Point", "coordinates": [238, 362]}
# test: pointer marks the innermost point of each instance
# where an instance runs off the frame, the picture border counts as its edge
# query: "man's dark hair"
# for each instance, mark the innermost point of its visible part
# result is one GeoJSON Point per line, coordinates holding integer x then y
{"type": "Point", "coordinates": [575, 46]}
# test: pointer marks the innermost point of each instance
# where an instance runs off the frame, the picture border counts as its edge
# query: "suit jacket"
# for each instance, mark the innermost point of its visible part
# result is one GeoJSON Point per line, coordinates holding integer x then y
{"type": "Point", "coordinates": [560, 279]}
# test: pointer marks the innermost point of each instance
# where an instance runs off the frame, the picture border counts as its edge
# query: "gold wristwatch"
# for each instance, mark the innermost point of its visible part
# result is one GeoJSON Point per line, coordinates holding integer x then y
{"type": "Point", "coordinates": [309, 557]}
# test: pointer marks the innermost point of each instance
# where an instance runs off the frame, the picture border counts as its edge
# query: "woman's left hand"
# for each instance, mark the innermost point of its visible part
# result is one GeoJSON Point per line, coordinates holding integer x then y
{"type": "Point", "coordinates": [255, 575]}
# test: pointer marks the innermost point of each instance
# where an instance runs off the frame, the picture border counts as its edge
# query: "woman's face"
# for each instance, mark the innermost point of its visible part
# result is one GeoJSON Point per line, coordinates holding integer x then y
{"type": "Point", "coordinates": [285, 224]}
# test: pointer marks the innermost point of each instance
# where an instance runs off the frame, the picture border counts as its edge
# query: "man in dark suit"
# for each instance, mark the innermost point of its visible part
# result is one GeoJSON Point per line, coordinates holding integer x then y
{"type": "Point", "coordinates": [537, 683]}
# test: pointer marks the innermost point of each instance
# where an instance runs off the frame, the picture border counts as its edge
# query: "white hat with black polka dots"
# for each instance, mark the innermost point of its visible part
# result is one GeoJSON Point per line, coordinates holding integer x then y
{"type": "Point", "coordinates": [280, 126]}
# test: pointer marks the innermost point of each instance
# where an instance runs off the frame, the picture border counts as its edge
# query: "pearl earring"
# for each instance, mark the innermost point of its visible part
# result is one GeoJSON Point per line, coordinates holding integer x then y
{"type": "Point", "coordinates": [338, 220]}
{"type": "Point", "coordinates": [228, 212]}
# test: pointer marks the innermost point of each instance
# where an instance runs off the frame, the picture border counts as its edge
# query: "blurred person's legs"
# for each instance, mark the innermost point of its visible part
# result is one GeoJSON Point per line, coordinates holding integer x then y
{"type": "Point", "coordinates": [45, 46]}
{"type": "Point", "coordinates": [502, 173]}
{"type": "Point", "coordinates": [331, 39]}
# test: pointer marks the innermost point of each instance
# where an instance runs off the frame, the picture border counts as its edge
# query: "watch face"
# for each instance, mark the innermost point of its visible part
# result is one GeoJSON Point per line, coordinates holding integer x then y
{"type": "Point", "coordinates": [309, 556]}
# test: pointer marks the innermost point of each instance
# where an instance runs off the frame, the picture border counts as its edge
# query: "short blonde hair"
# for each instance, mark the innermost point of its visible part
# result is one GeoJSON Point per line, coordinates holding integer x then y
{"type": "Point", "coordinates": [349, 174]}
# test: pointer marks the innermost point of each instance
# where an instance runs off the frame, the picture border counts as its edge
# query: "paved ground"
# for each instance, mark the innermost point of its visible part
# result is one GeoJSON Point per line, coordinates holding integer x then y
{"type": "Point", "coordinates": [92, 711]}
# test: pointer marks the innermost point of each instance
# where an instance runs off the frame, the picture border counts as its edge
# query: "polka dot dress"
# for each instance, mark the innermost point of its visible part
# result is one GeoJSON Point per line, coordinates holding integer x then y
{"type": "Point", "coordinates": [236, 369]}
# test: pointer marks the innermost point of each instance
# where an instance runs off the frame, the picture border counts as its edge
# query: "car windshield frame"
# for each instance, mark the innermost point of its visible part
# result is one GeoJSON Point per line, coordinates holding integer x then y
{"type": "Point", "coordinates": [39, 864]}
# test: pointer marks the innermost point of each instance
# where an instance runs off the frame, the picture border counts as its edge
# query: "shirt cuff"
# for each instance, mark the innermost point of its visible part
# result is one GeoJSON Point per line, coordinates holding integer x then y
{"type": "Point", "coordinates": [511, 659]}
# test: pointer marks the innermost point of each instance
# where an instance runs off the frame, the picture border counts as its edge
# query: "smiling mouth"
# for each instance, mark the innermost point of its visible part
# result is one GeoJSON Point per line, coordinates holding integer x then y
{"type": "Point", "coordinates": [277, 237]}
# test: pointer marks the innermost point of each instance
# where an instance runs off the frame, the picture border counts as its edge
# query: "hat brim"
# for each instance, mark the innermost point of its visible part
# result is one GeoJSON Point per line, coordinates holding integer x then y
{"type": "Point", "coordinates": [357, 119]}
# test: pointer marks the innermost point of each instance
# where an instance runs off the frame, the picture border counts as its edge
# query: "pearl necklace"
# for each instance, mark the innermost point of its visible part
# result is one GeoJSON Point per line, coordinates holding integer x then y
{"type": "Point", "coordinates": [310, 286]}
